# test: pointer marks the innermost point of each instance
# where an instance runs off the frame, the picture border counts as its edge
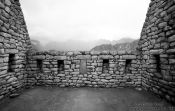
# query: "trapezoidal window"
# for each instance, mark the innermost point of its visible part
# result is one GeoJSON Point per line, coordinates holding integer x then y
{"type": "Point", "coordinates": [11, 63]}
{"type": "Point", "coordinates": [105, 68]}
{"type": "Point", "coordinates": [39, 65]}
{"type": "Point", "coordinates": [157, 58]}
{"type": "Point", "coordinates": [128, 66]}
{"type": "Point", "coordinates": [83, 69]}
{"type": "Point", "coordinates": [60, 64]}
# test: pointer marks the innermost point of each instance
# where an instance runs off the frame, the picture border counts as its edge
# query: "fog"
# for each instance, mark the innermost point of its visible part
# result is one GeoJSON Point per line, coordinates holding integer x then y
{"type": "Point", "coordinates": [84, 20]}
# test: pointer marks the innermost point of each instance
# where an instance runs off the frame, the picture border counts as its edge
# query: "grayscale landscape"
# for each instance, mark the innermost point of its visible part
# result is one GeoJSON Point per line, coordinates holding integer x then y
{"type": "Point", "coordinates": [87, 55]}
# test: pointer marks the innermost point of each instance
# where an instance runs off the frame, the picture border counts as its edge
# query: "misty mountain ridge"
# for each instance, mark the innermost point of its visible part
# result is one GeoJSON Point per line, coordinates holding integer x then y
{"type": "Point", "coordinates": [76, 45]}
{"type": "Point", "coordinates": [127, 46]}
{"type": "Point", "coordinates": [36, 45]}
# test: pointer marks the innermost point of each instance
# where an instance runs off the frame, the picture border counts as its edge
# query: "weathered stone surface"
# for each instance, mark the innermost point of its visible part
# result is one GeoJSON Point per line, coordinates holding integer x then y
{"type": "Point", "coordinates": [62, 75]}
{"type": "Point", "coordinates": [71, 75]}
{"type": "Point", "coordinates": [157, 38]}
{"type": "Point", "coordinates": [11, 51]}
{"type": "Point", "coordinates": [60, 57]}
{"type": "Point", "coordinates": [129, 57]}
{"type": "Point", "coordinates": [8, 2]}
{"type": "Point", "coordinates": [105, 56]}
{"type": "Point", "coordinates": [1, 5]}
{"type": "Point", "coordinates": [154, 52]}
{"type": "Point", "coordinates": [171, 39]}
{"type": "Point", "coordinates": [12, 79]}
{"type": "Point", "coordinates": [171, 51]}
{"type": "Point", "coordinates": [83, 57]}
{"type": "Point", "coordinates": [14, 95]}
{"type": "Point", "coordinates": [1, 51]}
{"type": "Point", "coordinates": [14, 41]}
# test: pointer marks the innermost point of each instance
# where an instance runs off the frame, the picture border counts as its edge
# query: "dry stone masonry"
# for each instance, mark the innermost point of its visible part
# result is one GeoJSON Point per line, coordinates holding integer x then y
{"type": "Point", "coordinates": [14, 43]}
{"type": "Point", "coordinates": [151, 66]}
{"type": "Point", "coordinates": [157, 47]}
{"type": "Point", "coordinates": [95, 69]}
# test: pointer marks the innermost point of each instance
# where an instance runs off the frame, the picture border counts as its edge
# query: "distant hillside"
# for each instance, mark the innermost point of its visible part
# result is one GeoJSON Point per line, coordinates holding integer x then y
{"type": "Point", "coordinates": [36, 45]}
{"type": "Point", "coordinates": [76, 45]}
{"type": "Point", "coordinates": [128, 46]}
{"type": "Point", "coordinates": [124, 40]}
{"type": "Point", "coordinates": [79, 45]}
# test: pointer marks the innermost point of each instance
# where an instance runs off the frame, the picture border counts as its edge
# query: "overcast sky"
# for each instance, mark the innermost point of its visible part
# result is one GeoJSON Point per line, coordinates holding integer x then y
{"type": "Point", "coordinates": [61, 20]}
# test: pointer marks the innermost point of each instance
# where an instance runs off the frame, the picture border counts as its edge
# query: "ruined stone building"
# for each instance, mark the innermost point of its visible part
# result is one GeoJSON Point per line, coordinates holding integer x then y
{"type": "Point", "coordinates": [151, 67]}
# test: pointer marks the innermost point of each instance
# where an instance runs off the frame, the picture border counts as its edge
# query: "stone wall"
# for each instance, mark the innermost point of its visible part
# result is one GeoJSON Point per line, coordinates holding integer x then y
{"type": "Point", "coordinates": [157, 45]}
{"type": "Point", "coordinates": [93, 69]}
{"type": "Point", "coordinates": [14, 43]}
{"type": "Point", "coordinates": [152, 66]}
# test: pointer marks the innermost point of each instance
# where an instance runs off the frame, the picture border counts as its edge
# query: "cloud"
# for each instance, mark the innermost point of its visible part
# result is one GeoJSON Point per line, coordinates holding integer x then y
{"type": "Point", "coordinates": [61, 20]}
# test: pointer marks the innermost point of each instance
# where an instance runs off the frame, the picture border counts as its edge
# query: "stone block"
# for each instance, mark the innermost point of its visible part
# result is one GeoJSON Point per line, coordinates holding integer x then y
{"type": "Point", "coordinates": [162, 24]}
{"type": "Point", "coordinates": [74, 78]}
{"type": "Point", "coordinates": [172, 61]}
{"type": "Point", "coordinates": [14, 95]}
{"type": "Point", "coordinates": [117, 57]}
{"type": "Point", "coordinates": [77, 66]}
{"type": "Point", "coordinates": [121, 52]}
{"type": "Point", "coordinates": [1, 51]}
{"type": "Point", "coordinates": [60, 57]}
{"type": "Point", "coordinates": [79, 81]}
{"type": "Point", "coordinates": [83, 57]}
{"type": "Point", "coordinates": [98, 69]}
{"type": "Point", "coordinates": [84, 79]}
{"type": "Point", "coordinates": [94, 83]}
{"type": "Point", "coordinates": [171, 9]}
{"type": "Point", "coordinates": [129, 56]}
{"type": "Point", "coordinates": [39, 57]}
{"type": "Point", "coordinates": [8, 2]}
{"type": "Point", "coordinates": [95, 57]}
{"type": "Point", "coordinates": [67, 66]}
{"type": "Point", "coordinates": [170, 51]}
{"type": "Point", "coordinates": [111, 65]}
{"type": "Point", "coordinates": [1, 5]}
{"type": "Point", "coordinates": [106, 57]}
{"type": "Point", "coordinates": [95, 53]}
{"type": "Point", "coordinates": [154, 52]}
{"type": "Point", "coordinates": [87, 82]}
{"type": "Point", "coordinates": [11, 79]}
{"type": "Point", "coordinates": [69, 53]}
{"type": "Point", "coordinates": [77, 53]}
{"type": "Point", "coordinates": [104, 80]}
{"type": "Point", "coordinates": [75, 73]}
{"type": "Point", "coordinates": [11, 51]}
{"type": "Point", "coordinates": [158, 75]}
{"type": "Point", "coordinates": [66, 62]}
{"type": "Point", "coordinates": [108, 77]}
{"type": "Point", "coordinates": [61, 75]}
{"type": "Point", "coordinates": [171, 39]}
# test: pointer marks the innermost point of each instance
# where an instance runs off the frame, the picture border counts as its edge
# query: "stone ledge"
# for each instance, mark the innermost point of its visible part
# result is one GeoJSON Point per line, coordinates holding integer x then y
{"type": "Point", "coordinates": [154, 52]}
{"type": "Point", "coordinates": [171, 51]}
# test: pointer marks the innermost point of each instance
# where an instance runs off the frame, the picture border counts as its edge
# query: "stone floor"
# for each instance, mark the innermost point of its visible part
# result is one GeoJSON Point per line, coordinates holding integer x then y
{"type": "Point", "coordinates": [84, 99]}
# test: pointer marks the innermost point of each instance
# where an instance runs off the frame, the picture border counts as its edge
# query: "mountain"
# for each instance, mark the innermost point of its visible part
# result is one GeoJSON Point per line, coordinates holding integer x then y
{"type": "Point", "coordinates": [128, 45]}
{"type": "Point", "coordinates": [76, 45]}
{"type": "Point", "coordinates": [70, 45]}
{"type": "Point", "coordinates": [124, 40]}
{"type": "Point", "coordinates": [36, 45]}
